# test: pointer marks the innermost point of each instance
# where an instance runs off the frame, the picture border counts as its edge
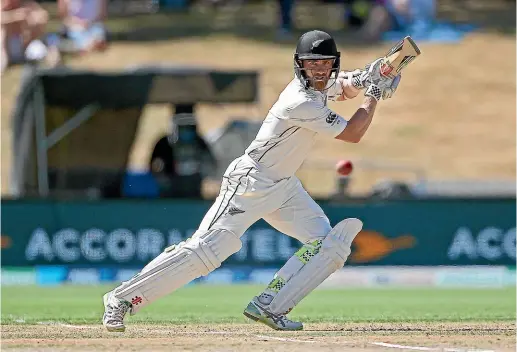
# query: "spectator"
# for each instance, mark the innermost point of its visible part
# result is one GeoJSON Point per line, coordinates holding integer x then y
{"type": "Point", "coordinates": [286, 26]}
{"type": "Point", "coordinates": [408, 15]}
{"type": "Point", "coordinates": [181, 159]}
{"type": "Point", "coordinates": [23, 23]}
{"type": "Point", "coordinates": [83, 28]}
{"type": "Point", "coordinates": [356, 12]}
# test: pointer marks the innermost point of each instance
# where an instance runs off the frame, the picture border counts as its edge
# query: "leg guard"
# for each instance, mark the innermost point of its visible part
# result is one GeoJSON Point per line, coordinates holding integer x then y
{"type": "Point", "coordinates": [177, 266]}
{"type": "Point", "coordinates": [311, 265]}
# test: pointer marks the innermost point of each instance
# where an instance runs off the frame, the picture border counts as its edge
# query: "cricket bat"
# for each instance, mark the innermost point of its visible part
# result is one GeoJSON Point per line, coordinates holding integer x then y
{"type": "Point", "coordinates": [398, 57]}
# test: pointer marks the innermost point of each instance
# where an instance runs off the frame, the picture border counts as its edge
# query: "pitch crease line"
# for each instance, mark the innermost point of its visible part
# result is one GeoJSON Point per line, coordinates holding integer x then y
{"type": "Point", "coordinates": [57, 323]}
{"type": "Point", "coordinates": [418, 348]}
{"type": "Point", "coordinates": [283, 339]}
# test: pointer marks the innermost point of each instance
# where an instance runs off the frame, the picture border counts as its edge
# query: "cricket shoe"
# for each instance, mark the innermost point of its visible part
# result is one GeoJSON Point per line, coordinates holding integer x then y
{"type": "Point", "coordinates": [260, 312]}
{"type": "Point", "coordinates": [115, 310]}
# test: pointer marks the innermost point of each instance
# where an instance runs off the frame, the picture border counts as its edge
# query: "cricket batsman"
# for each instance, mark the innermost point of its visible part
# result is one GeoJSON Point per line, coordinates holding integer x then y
{"type": "Point", "coordinates": [262, 184]}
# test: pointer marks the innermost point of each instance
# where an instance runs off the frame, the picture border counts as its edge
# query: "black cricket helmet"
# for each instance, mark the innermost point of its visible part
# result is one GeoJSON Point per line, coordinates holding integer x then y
{"type": "Point", "coordinates": [316, 45]}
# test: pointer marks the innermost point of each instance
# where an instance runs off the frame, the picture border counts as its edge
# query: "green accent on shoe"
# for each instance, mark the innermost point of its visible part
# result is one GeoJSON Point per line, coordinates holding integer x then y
{"type": "Point", "coordinates": [252, 310]}
{"type": "Point", "coordinates": [253, 313]}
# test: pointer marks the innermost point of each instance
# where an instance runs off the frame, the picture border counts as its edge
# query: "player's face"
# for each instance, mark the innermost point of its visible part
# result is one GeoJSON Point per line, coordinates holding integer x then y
{"type": "Point", "coordinates": [318, 72]}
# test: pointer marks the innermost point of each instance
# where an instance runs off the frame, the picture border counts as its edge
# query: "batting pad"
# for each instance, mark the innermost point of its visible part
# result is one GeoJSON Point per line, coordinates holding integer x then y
{"type": "Point", "coordinates": [332, 255]}
{"type": "Point", "coordinates": [177, 265]}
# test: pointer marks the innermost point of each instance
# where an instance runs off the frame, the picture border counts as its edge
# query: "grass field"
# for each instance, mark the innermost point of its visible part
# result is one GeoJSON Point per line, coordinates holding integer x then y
{"type": "Point", "coordinates": [207, 318]}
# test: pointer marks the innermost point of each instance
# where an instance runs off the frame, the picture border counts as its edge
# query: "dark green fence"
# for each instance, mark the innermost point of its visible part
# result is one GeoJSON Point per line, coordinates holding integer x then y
{"type": "Point", "coordinates": [130, 233]}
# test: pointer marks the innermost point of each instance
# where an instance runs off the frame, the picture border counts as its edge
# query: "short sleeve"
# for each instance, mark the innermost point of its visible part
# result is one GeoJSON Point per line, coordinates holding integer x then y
{"type": "Point", "coordinates": [336, 90]}
{"type": "Point", "coordinates": [318, 118]}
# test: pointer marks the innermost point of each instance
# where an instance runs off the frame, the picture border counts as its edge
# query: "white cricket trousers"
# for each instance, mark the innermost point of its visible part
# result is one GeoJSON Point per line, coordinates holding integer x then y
{"type": "Point", "coordinates": [247, 195]}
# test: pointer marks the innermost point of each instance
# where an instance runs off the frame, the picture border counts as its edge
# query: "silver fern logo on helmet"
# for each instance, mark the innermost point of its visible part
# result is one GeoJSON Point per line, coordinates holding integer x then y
{"type": "Point", "coordinates": [316, 43]}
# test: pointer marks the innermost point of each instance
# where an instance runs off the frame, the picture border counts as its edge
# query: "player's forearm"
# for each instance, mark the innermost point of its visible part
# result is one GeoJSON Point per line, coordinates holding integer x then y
{"type": "Point", "coordinates": [360, 122]}
{"type": "Point", "coordinates": [369, 105]}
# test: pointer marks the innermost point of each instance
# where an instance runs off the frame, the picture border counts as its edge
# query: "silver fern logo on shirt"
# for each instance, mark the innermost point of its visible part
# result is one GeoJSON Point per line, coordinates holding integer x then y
{"type": "Point", "coordinates": [332, 119]}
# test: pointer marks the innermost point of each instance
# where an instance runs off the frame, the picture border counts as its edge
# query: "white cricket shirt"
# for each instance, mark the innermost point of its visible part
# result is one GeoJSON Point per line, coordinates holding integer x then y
{"type": "Point", "coordinates": [287, 133]}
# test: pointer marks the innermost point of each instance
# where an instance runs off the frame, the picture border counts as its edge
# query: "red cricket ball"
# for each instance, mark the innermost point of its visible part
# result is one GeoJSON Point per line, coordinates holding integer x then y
{"type": "Point", "coordinates": [344, 167]}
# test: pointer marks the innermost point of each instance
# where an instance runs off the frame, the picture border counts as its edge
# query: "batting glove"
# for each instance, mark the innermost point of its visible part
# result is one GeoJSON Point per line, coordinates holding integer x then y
{"type": "Point", "coordinates": [374, 91]}
{"type": "Point", "coordinates": [359, 78]}
{"type": "Point", "coordinates": [379, 86]}
{"type": "Point", "coordinates": [374, 75]}
{"type": "Point", "coordinates": [388, 92]}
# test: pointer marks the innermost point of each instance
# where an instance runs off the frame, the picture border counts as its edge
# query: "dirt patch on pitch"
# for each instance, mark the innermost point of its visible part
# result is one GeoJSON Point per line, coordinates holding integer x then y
{"type": "Point", "coordinates": [253, 337]}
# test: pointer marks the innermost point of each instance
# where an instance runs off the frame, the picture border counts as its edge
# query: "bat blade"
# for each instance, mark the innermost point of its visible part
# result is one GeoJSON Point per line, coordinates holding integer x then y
{"type": "Point", "coordinates": [399, 56]}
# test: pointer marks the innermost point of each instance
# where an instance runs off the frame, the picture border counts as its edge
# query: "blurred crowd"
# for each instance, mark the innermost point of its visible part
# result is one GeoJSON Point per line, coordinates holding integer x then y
{"type": "Point", "coordinates": [374, 17]}
{"type": "Point", "coordinates": [370, 17]}
{"type": "Point", "coordinates": [177, 159]}
{"type": "Point", "coordinates": [25, 37]}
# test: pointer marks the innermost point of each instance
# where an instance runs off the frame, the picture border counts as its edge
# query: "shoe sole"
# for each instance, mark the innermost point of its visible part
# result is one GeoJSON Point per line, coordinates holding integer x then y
{"type": "Point", "coordinates": [110, 329]}
{"type": "Point", "coordinates": [249, 314]}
